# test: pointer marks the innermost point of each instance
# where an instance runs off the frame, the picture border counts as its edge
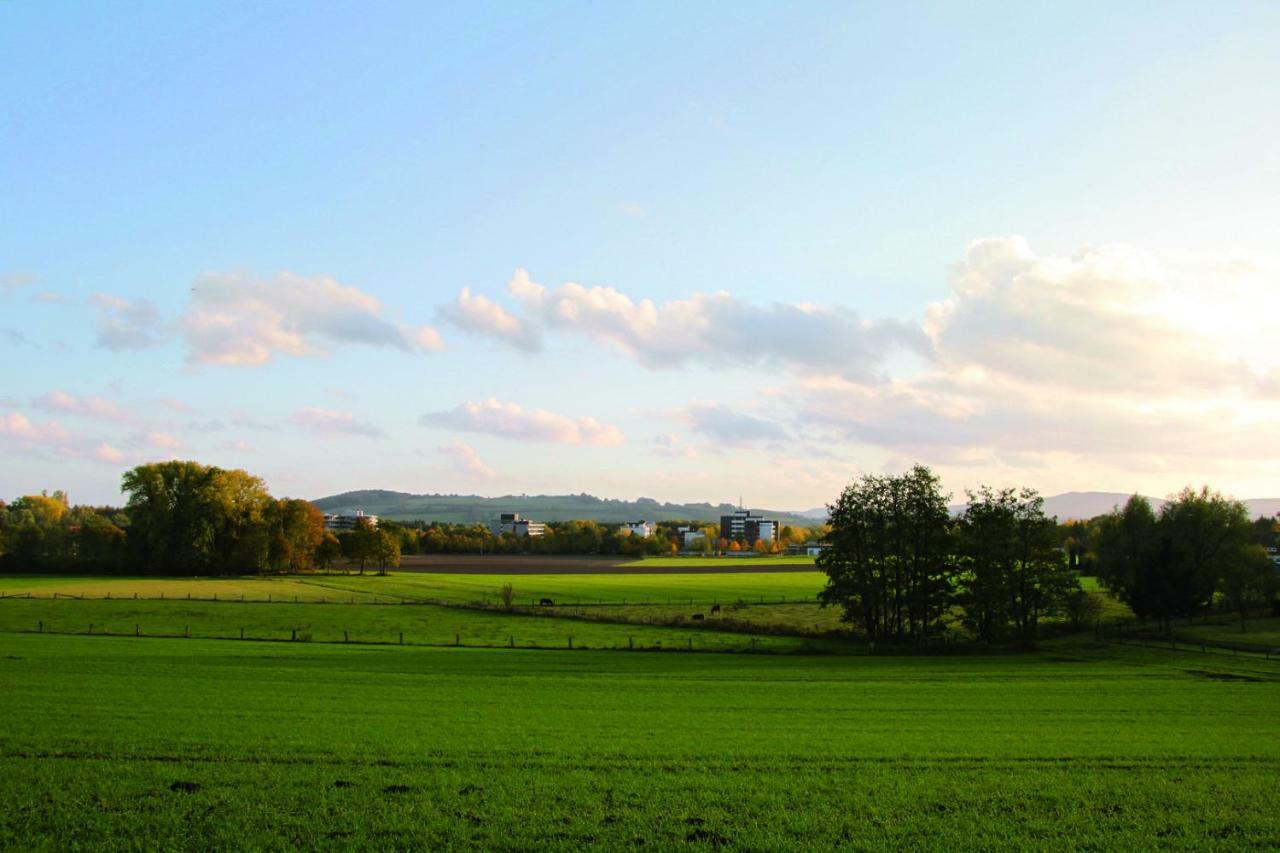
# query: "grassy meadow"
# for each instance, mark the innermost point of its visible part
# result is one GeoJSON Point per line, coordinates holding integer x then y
{"type": "Point", "coordinates": [147, 723]}
{"type": "Point", "coordinates": [181, 744]}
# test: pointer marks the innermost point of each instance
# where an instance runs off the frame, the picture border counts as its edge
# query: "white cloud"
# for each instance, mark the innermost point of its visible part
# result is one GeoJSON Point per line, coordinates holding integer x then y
{"type": "Point", "coordinates": [727, 425]}
{"type": "Point", "coordinates": [106, 453]}
{"type": "Point", "coordinates": [510, 420]}
{"type": "Point", "coordinates": [128, 324]}
{"type": "Point", "coordinates": [329, 422]}
{"type": "Point", "coordinates": [93, 408]}
{"type": "Point", "coordinates": [1081, 369]}
{"type": "Point", "coordinates": [465, 460]}
{"type": "Point", "coordinates": [483, 316]}
{"type": "Point", "coordinates": [708, 328]}
{"type": "Point", "coordinates": [236, 319]}
{"type": "Point", "coordinates": [237, 446]}
{"type": "Point", "coordinates": [163, 440]}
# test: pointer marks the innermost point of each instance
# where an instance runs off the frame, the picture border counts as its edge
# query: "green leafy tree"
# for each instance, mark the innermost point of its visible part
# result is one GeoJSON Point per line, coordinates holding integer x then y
{"type": "Point", "coordinates": [888, 567]}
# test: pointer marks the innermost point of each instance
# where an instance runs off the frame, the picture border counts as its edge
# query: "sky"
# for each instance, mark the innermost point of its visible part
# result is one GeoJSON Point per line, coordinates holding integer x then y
{"type": "Point", "coordinates": [685, 251]}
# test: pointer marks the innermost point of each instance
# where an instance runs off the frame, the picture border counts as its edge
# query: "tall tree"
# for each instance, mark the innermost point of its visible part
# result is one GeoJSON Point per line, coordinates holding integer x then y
{"type": "Point", "coordinates": [888, 564]}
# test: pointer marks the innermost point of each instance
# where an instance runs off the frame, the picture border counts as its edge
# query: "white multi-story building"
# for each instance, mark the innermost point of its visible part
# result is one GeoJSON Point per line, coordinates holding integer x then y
{"type": "Point", "coordinates": [511, 522]}
{"type": "Point", "coordinates": [348, 522]}
{"type": "Point", "coordinates": [637, 528]}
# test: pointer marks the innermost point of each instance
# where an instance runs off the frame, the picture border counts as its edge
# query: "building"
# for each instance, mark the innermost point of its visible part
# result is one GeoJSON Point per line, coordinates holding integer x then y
{"type": "Point", "coordinates": [689, 536]}
{"type": "Point", "coordinates": [742, 526]}
{"type": "Point", "coordinates": [807, 549]}
{"type": "Point", "coordinates": [511, 522]}
{"type": "Point", "coordinates": [637, 528]}
{"type": "Point", "coordinates": [348, 522]}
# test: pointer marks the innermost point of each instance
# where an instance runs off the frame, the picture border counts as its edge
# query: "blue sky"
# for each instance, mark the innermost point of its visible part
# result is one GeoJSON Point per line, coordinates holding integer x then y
{"type": "Point", "coordinates": [1025, 244]}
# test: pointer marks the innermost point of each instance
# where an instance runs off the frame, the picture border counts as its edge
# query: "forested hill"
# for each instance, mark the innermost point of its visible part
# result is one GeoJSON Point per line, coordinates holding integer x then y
{"type": "Point", "coordinates": [467, 508]}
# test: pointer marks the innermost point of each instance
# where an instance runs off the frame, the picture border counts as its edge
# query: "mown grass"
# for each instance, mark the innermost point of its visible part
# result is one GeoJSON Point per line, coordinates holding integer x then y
{"type": "Point", "coordinates": [283, 588]}
{"type": "Point", "coordinates": [747, 561]}
{"type": "Point", "coordinates": [421, 624]}
{"type": "Point", "coordinates": [115, 742]}
{"type": "Point", "coordinates": [687, 589]}
{"type": "Point", "coordinates": [1256, 631]}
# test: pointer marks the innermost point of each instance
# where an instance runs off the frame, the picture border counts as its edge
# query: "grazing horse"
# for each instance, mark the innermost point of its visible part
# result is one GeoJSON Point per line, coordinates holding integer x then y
{"type": "Point", "coordinates": [546, 602]}
{"type": "Point", "coordinates": [698, 617]}
{"type": "Point", "coordinates": [715, 608]}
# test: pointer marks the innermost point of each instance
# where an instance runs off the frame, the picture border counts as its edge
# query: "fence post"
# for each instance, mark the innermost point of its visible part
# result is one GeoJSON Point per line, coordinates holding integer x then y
{"type": "Point", "coordinates": [691, 644]}
{"type": "Point", "coordinates": [511, 641]}
{"type": "Point", "coordinates": [457, 639]}
{"type": "Point", "coordinates": [242, 633]}
{"type": "Point", "coordinates": [137, 630]}
{"type": "Point", "coordinates": [135, 596]}
{"type": "Point", "coordinates": [345, 637]}
{"type": "Point", "coordinates": [186, 630]}
{"type": "Point", "coordinates": [41, 628]}
{"type": "Point", "coordinates": [293, 635]}
{"type": "Point", "coordinates": [631, 643]}
{"type": "Point", "coordinates": [571, 642]}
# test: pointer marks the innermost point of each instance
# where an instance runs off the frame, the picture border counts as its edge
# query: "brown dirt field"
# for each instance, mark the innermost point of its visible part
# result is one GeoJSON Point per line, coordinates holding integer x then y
{"type": "Point", "coordinates": [524, 564]}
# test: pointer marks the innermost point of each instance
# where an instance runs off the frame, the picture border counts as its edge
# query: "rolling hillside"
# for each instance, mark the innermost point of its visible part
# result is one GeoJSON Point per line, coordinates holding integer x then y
{"type": "Point", "coordinates": [471, 508]}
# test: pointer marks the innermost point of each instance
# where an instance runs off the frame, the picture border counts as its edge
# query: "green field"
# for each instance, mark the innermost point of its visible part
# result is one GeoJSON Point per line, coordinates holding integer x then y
{"type": "Point", "coordinates": [412, 624]}
{"type": "Point", "coordinates": [711, 588]}
{"type": "Point", "coordinates": [721, 562]}
{"type": "Point", "coordinates": [181, 744]}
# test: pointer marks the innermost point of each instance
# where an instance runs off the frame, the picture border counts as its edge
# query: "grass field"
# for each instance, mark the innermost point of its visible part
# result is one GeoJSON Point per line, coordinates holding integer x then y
{"type": "Point", "coordinates": [181, 744]}
{"type": "Point", "coordinates": [711, 588]}
{"type": "Point", "coordinates": [420, 624]}
{"type": "Point", "coordinates": [722, 562]}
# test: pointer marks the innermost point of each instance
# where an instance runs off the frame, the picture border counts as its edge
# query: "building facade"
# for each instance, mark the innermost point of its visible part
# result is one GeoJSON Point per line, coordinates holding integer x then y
{"type": "Point", "coordinates": [637, 528]}
{"type": "Point", "coordinates": [512, 522]}
{"type": "Point", "coordinates": [348, 522]}
{"type": "Point", "coordinates": [742, 526]}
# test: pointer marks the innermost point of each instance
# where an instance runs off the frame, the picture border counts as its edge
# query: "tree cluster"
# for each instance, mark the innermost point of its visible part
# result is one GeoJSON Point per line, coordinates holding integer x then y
{"type": "Point", "coordinates": [902, 568]}
{"type": "Point", "coordinates": [1200, 548]}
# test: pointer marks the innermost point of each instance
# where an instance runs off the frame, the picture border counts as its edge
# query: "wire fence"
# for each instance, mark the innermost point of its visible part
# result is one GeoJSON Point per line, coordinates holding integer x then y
{"type": "Point", "coordinates": [752, 645]}
{"type": "Point", "coordinates": [1168, 636]}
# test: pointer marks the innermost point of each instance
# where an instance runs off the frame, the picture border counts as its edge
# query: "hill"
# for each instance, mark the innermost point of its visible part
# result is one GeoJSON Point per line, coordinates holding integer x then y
{"type": "Point", "coordinates": [1085, 505]}
{"type": "Point", "coordinates": [404, 506]}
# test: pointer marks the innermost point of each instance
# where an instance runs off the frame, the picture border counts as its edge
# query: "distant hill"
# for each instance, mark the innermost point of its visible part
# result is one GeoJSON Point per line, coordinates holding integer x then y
{"type": "Point", "coordinates": [403, 506]}
{"type": "Point", "coordinates": [1086, 505]}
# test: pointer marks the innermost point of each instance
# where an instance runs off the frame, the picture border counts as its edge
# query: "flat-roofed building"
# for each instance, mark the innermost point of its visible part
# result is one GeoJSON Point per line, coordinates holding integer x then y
{"type": "Point", "coordinates": [512, 522]}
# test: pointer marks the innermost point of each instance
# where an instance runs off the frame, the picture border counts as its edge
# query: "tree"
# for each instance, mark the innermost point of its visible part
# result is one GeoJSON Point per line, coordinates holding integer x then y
{"type": "Point", "coordinates": [1173, 565]}
{"type": "Point", "coordinates": [386, 549]}
{"type": "Point", "coordinates": [1014, 571]}
{"type": "Point", "coordinates": [1249, 582]}
{"type": "Point", "coordinates": [298, 530]}
{"type": "Point", "coordinates": [187, 518]}
{"type": "Point", "coordinates": [327, 551]}
{"type": "Point", "coordinates": [888, 566]}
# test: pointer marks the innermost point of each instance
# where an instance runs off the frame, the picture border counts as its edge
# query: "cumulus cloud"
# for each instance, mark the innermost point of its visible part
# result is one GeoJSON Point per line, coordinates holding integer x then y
{"type": "Point", "coordinates": [52, 439]}
{"type": "Point", "coordinates": [329, 422]}
{"type": "Point", "coordinates": [708, 328]}
{"type": "Point", "coordinates": [465, 460]}
{"type": "Point", "coordinates": [481, 315]}
{"type": "Point", "coordinates": [510, 420]}
{"type": "Point", "coordinates": [236, 319]}
{"type": "Point", "coordinates": [1110, 316]}
{"type": "Point", "coordinates": [728, 425]}
{"type": "Point", "coordinates": [162, 440]}
{"type": "Point", "coordinates": [95, 408]}
{"type": "Point", "coordinates": [125, 324]}
{"type": "Point", "coordinates": [1111, 358]}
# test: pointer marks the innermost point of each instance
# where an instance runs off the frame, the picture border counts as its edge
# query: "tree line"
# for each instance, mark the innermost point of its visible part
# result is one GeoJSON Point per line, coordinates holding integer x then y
{"type": "Point", "coordinates": [902, 568]}
{"type": "Point", "coordinates": [184, 518]}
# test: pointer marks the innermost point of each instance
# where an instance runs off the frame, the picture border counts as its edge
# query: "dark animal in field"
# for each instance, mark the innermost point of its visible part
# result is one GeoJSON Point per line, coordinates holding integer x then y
{"type": "Point", "coordinates": [185, 787]}
{"type": "Point", "coordinates": [715, 608]}
{"type": "Point", "coordinates": [698, 617]}
{"type": "Point", "coordinates": [546, 602]}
